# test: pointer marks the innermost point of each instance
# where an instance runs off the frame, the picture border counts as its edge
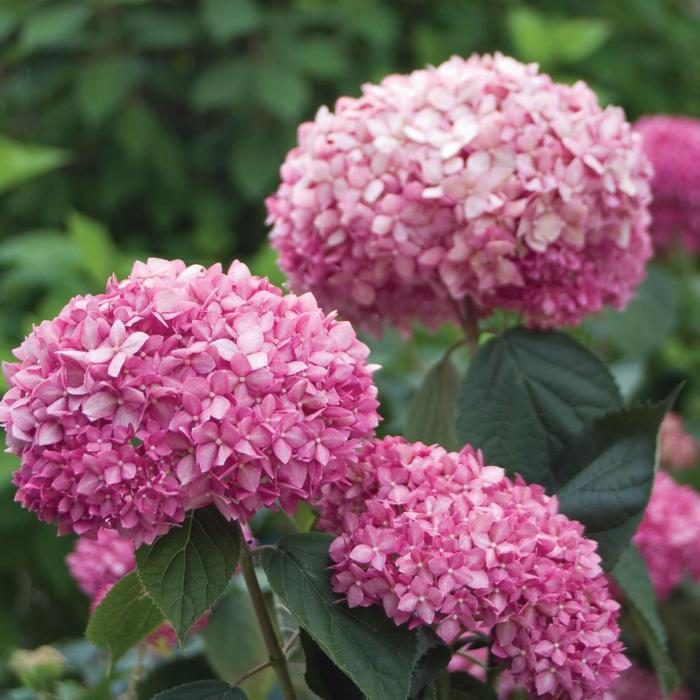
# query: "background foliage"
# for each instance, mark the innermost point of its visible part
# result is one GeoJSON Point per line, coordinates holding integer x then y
{"type": "Point", "coordinates": [156, 127]}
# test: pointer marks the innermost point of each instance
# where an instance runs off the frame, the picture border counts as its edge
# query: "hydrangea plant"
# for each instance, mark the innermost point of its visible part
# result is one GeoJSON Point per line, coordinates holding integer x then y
{"type": "Point", "coordinates": [157, 419]}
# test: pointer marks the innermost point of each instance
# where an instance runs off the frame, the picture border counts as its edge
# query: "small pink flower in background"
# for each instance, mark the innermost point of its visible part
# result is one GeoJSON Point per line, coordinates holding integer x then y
{"type": "Point", "coordinates": [638, 683]}
{"type": "Point", "coordinates": [672, 144]}
{"type": "Point", "coordinates": [478, 179]}
{"type": "Point", "coordinates": [442, 539]}
{"type": "Point", "coordinates": [677, 448]}
{"type": "Point", "coordinates": [180, 387]}
{"type": "Point", "coordinates": [669, 534]}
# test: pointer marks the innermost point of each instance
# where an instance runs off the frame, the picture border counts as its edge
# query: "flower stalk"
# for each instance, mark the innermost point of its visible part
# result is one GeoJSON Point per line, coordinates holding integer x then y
{"type": "Point", "coordinates": [277, 658]}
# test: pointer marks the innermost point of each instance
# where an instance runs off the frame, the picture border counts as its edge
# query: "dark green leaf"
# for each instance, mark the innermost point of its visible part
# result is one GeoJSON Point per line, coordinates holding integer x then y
{"type": "Point", "coordinates": [379, 657]}
{"type": "Point", "coordinates": [222, 84]}
{"type": "Point", "coordinates": [283, 92]}
{"type": "Point", "coordinates": [604, 476]}
{"type": "Point", "coordinates": [227, 19]}
{"type": "Point", "coordinates": [527, 394]}
{"type": "Point", "coordinates": [162, 29]}
{"type": "Point", "coordinates": [466, 687]}
{"type": "Point", "coordinates": [632, 575]}
{"type": "Point", "coordinates": [231, 621]}
{"type": "Point", "coordinates": [202, 690]}
{"type": "Point", "coordinates": [173, 672]}
{"type": "Point", "coordinates": [54, 25]}
{"type": "Point", "coordinates": [102, 85]}
{"type": "Point", "coordinates": [432, 658]}
{"type": "Point", "coordinates": [323, 677]}
{"type": "Point", "coordinates": [431, 413]}
{"type": "Point", "coordinates": [647, 322]}
{"type": "Point", "coordinates": [321, 57]}
{"type": "Point", "coordinates": [254, 164]}
{"type": "Point", "coordinates": [187, 570]}
{"type": "Point", "coordinates": [124, 617]}
{"type": "Point", "coordinates": [20, 162]}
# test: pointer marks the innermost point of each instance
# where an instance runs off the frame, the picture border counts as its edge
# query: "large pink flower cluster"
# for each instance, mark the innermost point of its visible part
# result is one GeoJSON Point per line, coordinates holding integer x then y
{"type": "Point", "coordinates": [669, 534]}
{"type": "Point", "coordinates": [441, 539]}
{"type": "Point", "coordinates": [638, 683]}
{"type": "Point", "coordinates": [673, 146]}
{"type": "Point", "coordinates": [178, 387]}
{"type": "Point", "coordinates": [677, 448]}
{"type": "Point", "coordinates": [478, 179]}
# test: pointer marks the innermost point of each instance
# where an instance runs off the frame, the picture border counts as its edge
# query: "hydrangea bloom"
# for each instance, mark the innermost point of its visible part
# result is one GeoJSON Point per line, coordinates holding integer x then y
{"type": "Point", "coordinates": [442, 539]}
{"type": "Point", "coordinates": [677, 448]}
{"type": "Point", "coordinates": [638, 683]}
{"type": "Point", "coordinates": [673, 146]}
{"type": "Point", "coordinates": [480, 178]}
{"type": "Point", "coordinates": [669, 534]}
{"type": "Point", "coordinates": [178, 387]}
{"type": "Point", "coordinates": [96, 565]}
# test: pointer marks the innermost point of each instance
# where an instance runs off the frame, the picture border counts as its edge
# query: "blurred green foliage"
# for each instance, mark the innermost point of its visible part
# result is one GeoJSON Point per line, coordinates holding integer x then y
{"type": "Point", "coordinates": [156, 127]}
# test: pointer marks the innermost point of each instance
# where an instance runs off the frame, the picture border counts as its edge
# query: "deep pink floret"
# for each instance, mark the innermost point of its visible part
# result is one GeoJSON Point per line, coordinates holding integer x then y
{"type": "Point", "coordinates": [672, 144]}
{"type": "Point", "coordinates": [441, 539]}
{"type": "Point", "coordinates": [178, 387]}
{"type": "Point", "coordinates": [669, 534]}
{"type": "Point", "coordinates": [478, 179]}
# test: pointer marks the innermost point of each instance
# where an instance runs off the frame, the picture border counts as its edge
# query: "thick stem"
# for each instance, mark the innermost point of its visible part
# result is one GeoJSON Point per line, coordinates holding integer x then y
{"type": "Point", "coordinates": [277, 658]}
{"type": "Point", "coordinates": [468, 317]}
{"type": "Point", "coordinates": [470, 323]}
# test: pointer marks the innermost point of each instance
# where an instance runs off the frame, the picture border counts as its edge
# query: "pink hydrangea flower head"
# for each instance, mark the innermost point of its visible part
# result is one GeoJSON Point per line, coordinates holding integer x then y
{"type": "Point", "coordinates": [444, 540]}
{"type": "Point", "coordinates": [672, 144]}
{"type": "Point", "coordinates": [638, 683]}
{"type": "Point", "coordinates": [669, 534]}
{"type": "Point", "coordinates": [478, 179]}
{"type": "Point", "coordinates": [677, 448]}
{"type": "Point", "coordinates": [96, 565]}
{"type": "Point", "coordinates": [180, 387]}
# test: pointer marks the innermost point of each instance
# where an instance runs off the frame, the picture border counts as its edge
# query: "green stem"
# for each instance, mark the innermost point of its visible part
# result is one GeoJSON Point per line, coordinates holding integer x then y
{"type": "Point", "coordinates": [277, 658]}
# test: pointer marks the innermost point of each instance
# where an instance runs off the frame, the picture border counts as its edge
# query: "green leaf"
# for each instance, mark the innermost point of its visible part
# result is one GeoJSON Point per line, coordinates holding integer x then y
{"type": "Point", "coordinates": [431, 414]}
{"type": "Point", "coordinates": [54, 25]}
{"type": "Point", "coordinates": [162, 29]}
{"type": "Point", "coordinates": [222, 84]}
{"type": "Point", "coordinates": [552, 41]}
{"type": "Point", "coordinates": [102, 85]}
{"type": "Point", "coordinates": [187, 570]}
{"type": "Point", "coordinates": [466, 687]}
{"type": "Point", "coordinates": [232, 620]}
{"type": "Point", "coordinates": [93, 240]}
{"type": "Point", "coordinates": [20, 162]}
{"type": "Point", "coordinates": [379, 657]}
{"type": "Point", "coordinates": [604, 476]}
{"type": "Point", "coordinates": [254, 163]}
{"type": "Point", "coordinates": [227, 19]}
{"type": "Point", "coordinates": [124, 617]}
{"type": "Point", "coordinates": [632, 575]}
{"type": "Point", "coordinates": [320, 57]}
{"type": "Point", "coordinates": [202, 690]}
{"type": "Point", "coordinates": [324, 678]}
{"type": "Point", "coordinates": [647, 322]}
{"type": "Point", "coordinates": [172, 672]}
{"type": "Point", "coordinates": [527, 394]}
{"type": "Point", "coordinates": [282, 91]}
